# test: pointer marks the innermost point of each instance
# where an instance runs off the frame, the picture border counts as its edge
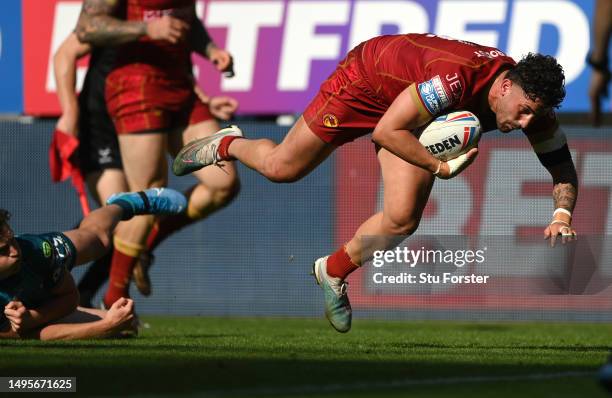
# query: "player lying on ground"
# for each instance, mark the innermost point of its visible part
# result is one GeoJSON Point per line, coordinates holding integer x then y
{"type": "Point", "coordinates": [37, 291]}
{"type": "Point", "coordinates": [390, 85]}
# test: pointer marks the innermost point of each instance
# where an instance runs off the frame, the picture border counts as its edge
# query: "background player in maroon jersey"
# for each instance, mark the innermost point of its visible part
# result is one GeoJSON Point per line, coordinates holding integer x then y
{"type": "Point", "coordinates": [151, 101]}
{"type": "Point", "coordinates": [85, 117]}
{"type": "Point", "coordinates": [388, 86]}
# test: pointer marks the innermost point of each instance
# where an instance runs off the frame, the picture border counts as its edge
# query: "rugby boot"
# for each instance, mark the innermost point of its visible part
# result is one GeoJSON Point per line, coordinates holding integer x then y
{"type": "Point", "coordinates": [337, 306]}
{"type": "Point", "coordinates": [150, 201]}
{"type": "Point", "coordinates": [140, 273]}
{"type": "Point", "coordinates": [203, 152]}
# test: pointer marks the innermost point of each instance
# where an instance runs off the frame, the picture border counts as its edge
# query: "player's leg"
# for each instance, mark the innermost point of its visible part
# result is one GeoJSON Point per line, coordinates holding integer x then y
{"type": "Point", "coordinates": [297, 155]}
{"type": "Point", "coordinates": [342, 110]}
{"type": "Point", "coordinates": [92, 238]}
{"type": "Point", "coordinates": [144, 164]}
{"type": "Point", "coordinates": [216, 188]}
{"type": "Point", "coordinates": [103, 183]}
{"type": "Point", "coordinates": [300, 152]}
{"type": "Point", "coordinates": [406, 191]}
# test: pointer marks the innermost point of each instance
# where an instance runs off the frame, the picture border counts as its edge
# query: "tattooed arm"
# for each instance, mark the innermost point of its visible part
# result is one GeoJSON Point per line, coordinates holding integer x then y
{"type": "Point", "coordinates": [565, 193]}
{"type": "Point", "coordinates": [565, 181]}
{"type": "Point", "coordinates": [550, 145]}
{"type": "Point", "coordinates": [98, 27]}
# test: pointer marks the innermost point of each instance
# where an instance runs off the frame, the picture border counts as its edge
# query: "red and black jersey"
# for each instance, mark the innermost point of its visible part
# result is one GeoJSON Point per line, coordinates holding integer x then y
{"type": "Point", "coordinates": [158, 53]}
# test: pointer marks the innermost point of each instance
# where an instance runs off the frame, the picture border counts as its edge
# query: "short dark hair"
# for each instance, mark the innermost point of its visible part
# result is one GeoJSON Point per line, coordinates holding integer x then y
{"type": "Point", "coordinates": [5, 216]}
{"type": "Point", "coordinates": [541, 77]}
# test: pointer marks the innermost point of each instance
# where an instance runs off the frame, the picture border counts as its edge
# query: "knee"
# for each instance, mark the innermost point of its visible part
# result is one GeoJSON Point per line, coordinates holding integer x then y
{"type": "Point", "coordinates": [280, 171]}
{"type": "Point", "coordinates": [400, 226]}
{"type": "Point", "coordinates": [223, 196]}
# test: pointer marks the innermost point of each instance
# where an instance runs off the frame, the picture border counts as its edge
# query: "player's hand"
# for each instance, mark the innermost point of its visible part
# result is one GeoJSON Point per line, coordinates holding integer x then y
{"type": "Point", "coordinates": [69, 123]}
{"type": "Point", "coordinates": [120, 314]}
{"type": "Point", "coordinates": [455, 166]}
{"type": "Point", "coordinates": [167, 28]}
{"type": "Point", "coordinates": [222, 107]}
{"type": "Point", "coordinates": [556, 229]}
{"type": "Point", "coordinates": [222, 60]}
{"type": "Point", "coordinates": [18, 315]}
{"type": "Point", "coordinates": [598, 89]}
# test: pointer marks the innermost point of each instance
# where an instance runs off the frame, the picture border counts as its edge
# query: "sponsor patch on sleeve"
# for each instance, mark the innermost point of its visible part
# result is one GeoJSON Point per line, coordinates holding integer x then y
{"type": "Point", "coordinates": [433, 95]}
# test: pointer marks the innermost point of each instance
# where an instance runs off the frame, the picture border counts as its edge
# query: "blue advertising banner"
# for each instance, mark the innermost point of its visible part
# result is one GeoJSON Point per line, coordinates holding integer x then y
{"type": "Point", "coordinates": [11, 83]}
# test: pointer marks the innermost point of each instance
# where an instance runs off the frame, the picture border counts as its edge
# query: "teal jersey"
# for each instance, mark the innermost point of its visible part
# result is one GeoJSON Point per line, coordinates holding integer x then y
{"type": "Point", "coordinates": [44, 260]}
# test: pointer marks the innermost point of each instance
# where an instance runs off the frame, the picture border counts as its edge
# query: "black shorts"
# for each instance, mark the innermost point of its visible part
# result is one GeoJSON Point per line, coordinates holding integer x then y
{"type": "Point", "coordinates": [99, 148]}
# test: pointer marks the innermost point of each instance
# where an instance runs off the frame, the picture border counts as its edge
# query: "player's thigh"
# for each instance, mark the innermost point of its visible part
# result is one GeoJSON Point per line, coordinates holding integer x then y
{"type": "Point", "coordinates": [301, 149]}
{"type": "Point", "coordinates": [213, 177]}
{"type": "Point", "coordinates": [406, 191]}
{"type": "Point", "coordinates": [144, 159]}
{"type": "Point", "coordinates": [104, 183]}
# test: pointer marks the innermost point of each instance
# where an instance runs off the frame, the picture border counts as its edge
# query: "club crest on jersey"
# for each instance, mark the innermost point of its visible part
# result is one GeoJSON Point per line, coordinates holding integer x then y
{"type": "Point", "coordinates": [46, 248]}
{"type": "Point", "coordinates": [330, 120]}
{"type": "Point", "coordinates": [434, 95]}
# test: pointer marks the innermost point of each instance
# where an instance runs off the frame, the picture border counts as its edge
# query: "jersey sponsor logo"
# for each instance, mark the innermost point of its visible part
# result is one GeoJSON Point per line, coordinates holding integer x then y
{"type": "Point", "coordinates": [330, 121]}
{"type": "Point", "coordinates": [59, 244]}
{"type": "Point", "coordinates": [182, 13]}
{"type": "Point", "coordinates": [46, 248]}
{"type": "Point", "coordinates": [455, 86]}
{"type": "Point", "coordinates": [489, 54]}
{"type": "Point", "coordinates": [434, 95]}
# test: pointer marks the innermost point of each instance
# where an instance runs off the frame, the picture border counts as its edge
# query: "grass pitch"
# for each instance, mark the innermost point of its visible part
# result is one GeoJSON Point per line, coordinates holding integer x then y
{"type": "Point", "coordinates": [305, 358]}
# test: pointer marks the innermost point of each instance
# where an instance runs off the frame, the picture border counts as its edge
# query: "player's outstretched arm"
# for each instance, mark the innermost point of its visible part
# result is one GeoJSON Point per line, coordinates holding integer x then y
{"type": "Point", "coordinates": [565, 194]}
{"type": "Point", "coordinates": [394, 133]}
{"type": "Point", "coordinates": [88, 323]}
{"type": "Point", "coordinates": [64, 68]}
{"type": "Point", "coordinates": [97, 26]}
{"type": "Point", "coordinates": [550, 145]}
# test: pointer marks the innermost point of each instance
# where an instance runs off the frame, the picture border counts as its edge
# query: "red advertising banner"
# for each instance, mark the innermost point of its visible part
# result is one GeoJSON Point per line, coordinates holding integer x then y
{"type": "Point", "coordinates": [45, 25]}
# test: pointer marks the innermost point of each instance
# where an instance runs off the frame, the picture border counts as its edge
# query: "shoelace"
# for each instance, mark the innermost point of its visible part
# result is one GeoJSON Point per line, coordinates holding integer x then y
{"type": "Point", "coordinates": [340, 290]}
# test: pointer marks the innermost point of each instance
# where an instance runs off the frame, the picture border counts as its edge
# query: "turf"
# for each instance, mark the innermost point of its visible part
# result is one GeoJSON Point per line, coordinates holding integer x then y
{"type": "Point", "coordinates": [297, 357]}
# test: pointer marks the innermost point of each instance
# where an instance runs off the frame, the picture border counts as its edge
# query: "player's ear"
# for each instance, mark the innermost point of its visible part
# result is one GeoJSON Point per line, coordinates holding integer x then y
{"type": "Point", "coordinates": [506, 86]}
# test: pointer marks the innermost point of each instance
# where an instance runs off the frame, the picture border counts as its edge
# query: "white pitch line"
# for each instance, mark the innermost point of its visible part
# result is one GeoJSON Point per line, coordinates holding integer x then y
{"type": "Point", "coordinates": [387, 384]}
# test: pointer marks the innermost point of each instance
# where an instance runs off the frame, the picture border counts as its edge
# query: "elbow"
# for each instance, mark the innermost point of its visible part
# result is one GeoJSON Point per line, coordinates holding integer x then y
{"type": "Point", "coordinates": [82, 33]}
{"type": "Point", "coordinates": [379, 137]}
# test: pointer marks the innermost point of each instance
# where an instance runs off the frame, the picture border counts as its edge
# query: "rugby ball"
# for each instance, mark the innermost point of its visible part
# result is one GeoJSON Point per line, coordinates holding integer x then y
{"type": "Point", "coordinates": [450, 135]}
